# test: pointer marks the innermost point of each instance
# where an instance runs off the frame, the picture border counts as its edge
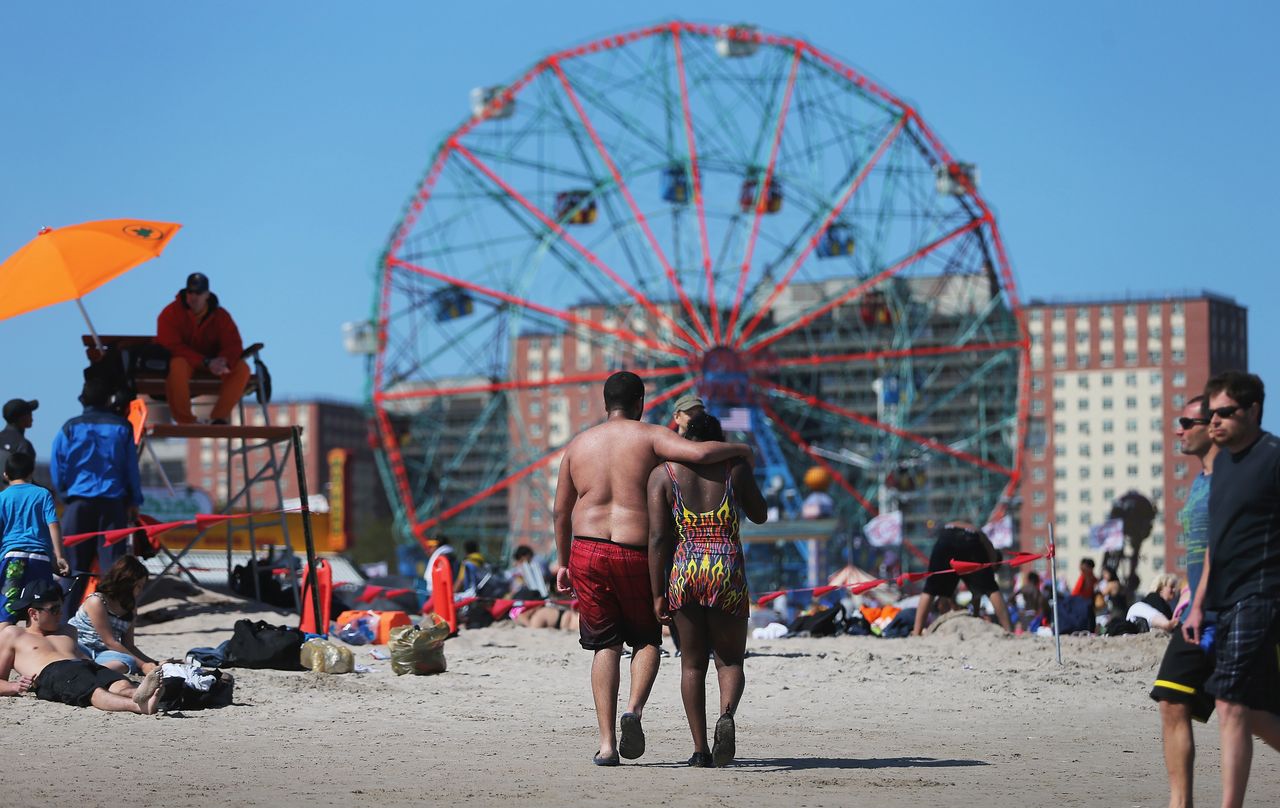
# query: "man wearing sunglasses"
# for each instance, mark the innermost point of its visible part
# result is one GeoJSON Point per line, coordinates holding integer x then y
{"type": "Point", "coordinates": [1179, 686]}
{"type": "Point", "coordinates": [1241, 578]}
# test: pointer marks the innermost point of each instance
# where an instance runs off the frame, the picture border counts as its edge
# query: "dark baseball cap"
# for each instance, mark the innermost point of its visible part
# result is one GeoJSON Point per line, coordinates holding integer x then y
{"type": "Point", "coordinates": [15, 408]}
{"type": "Point", "coordinates": [39, 592]}
{"type": "Point", "coordinates": [197, 282]}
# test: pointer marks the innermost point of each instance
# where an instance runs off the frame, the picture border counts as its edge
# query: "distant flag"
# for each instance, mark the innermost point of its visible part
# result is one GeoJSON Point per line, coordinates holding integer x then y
{"type": "Point", "coordinates": [1000, 532]}
{"type": "Point", "coordinates": [1108, 536]}
{"type": "Point", "coordinates": [885, 530]}
{"type": "Point", "coordinates": [737, 419]}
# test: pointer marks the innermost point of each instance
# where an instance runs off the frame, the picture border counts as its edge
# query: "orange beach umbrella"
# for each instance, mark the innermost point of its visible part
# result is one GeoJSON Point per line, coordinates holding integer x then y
{"type": "Point", "coordinates": [68, 263]}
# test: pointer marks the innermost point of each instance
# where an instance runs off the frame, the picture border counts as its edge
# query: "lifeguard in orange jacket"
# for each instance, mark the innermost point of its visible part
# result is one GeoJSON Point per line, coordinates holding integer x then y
{"type": "Point", "coordinates": [201, 336]}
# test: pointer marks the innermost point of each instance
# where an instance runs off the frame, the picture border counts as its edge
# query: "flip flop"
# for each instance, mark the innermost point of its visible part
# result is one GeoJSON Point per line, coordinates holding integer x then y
{"type": "Point", "coordinates": [612, 760]}
{"type": "Point", "coordinates": [725, 748]}
{"type": "Point", "coordinates": [631, 745]}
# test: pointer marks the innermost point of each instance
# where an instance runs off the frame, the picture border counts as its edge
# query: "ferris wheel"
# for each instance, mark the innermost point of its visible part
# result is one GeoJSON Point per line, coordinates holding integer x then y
{"type": "Point", "coordinates": [722, 211]}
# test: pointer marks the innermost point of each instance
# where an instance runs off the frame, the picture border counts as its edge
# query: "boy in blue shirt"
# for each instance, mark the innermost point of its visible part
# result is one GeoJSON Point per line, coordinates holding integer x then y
{"type": "Point", "coordinates": [30, 537]}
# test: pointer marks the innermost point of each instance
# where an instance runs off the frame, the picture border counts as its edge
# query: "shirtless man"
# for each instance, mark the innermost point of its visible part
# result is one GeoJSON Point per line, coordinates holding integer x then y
{"type": "Point", "coordinates": [602, 537]}
{"type": "Point", "coordinates": [49, 661]}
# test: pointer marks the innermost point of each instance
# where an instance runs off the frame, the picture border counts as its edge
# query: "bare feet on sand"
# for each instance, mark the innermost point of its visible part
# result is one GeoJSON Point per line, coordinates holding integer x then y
{"type": "Point", "coordinates": [148, 694]}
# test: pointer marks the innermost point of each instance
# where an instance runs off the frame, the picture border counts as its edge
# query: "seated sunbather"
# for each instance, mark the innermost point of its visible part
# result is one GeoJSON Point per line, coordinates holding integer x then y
{"type": "Point", "coordinates": [549, 617]}
{"type": "Point", "coordinates": [104, 622]}
{"type": "Point", "coordinates": [50, 663]}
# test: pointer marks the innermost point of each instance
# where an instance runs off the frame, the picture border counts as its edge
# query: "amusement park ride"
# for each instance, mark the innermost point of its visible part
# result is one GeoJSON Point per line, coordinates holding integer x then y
{"type": "Point", "coordinates": [719, 210]}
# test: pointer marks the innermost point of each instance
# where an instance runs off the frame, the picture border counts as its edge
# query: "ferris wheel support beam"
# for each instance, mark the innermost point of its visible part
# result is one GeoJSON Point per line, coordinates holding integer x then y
{"type": "Point", "coordinates": [420, 528]}
{"type": "Point", "coordinates": [762, 341]}
{"type": "Point", "coordinates": [762, 193]}
{"type": "Point", "coordinates": [631, 203]}
{"type": "Point", "coordinates": [526, 384]}
{"type": "Point", "coordinates": [580, 248]}
{"type": "Point", "coordinates": [872, 356]}
{"type": "Point", "coordinates": [804, 446]}
{"type": "Point", "coordinates": [813, 242]}
{"type": "Point", "coordinates": [696, 175]}
{"type": "Point", "coordinates": [567, 317]}
{"type": "Point", "coordinates": [865, 420]}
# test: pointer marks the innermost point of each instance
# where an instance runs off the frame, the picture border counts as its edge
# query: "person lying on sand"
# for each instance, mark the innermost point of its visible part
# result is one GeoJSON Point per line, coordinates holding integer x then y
{"type": "Point", "coordinates": [549, 617]}
{"type": "Point", "coordinates": [50, 663]}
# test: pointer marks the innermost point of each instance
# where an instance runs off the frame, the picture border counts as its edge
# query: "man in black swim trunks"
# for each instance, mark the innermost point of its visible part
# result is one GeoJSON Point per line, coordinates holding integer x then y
{"type": "Point", "coordinates": [963, 542]}
{"type": "Point", "coordinates": [49, 661]}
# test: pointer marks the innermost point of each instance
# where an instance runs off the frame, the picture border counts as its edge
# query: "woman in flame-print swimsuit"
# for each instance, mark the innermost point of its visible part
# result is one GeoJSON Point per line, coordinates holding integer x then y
{"type": "Point", "coordinates": [703, 588]}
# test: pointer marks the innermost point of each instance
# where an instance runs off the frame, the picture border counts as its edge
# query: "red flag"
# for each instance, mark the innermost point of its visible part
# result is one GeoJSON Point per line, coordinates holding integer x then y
{"type": "Point", "coordinates": [865, 586]}
{"type": "Point", "coordinates": [1024, 558]}
{"type": "Point", "coordinates": [769, 597]}
{"type": "Point", "coordinates": [908, 577]}
{"type": "Point", "coordinates": [967, 567]}
{"type": "Point", "coordinates": [822, 590]}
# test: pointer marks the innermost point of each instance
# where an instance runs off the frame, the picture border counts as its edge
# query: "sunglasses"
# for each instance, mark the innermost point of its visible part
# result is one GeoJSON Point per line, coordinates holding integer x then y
{"type": "Point", "coordinates": [1187, 423]}
{"type": "Point", "coordinates": [1226, 412]}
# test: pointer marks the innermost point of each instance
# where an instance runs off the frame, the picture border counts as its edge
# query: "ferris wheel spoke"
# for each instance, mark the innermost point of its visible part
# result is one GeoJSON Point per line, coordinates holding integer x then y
{"type": "Point", "coordinates": [638, 215]}
{"type": "Point", "coordinates": [804, 446]}
{"type": "Point", "coordinates": [916, 352]}
{"type": "Point", "coordinates": [587, 254]}
{"type": "Point", "coordinates": [696, 175]}
{"type": "Point", "coordinates": [421, 528]}
{"type": "Point", "coordinates": [565, 316]}
{"type": "Point", "coordinates": [762, 195]}
{"type": "Point", "coordinates": [919, 440]}
{"type": "Point", "coordinates": [832, 212]}
{"type": "Point", "coordinates": [526, 384]}
{"type": "Point", "coordinates": [763, 340]}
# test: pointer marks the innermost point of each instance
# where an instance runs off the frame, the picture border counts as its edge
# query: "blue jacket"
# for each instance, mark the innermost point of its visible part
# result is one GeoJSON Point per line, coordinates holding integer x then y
{"type": "Point", "coordinates": [94, 456]}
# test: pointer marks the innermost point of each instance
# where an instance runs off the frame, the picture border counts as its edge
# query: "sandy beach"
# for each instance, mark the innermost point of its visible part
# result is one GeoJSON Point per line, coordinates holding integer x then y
{"type": "Point", "coordinates": [963, 716]}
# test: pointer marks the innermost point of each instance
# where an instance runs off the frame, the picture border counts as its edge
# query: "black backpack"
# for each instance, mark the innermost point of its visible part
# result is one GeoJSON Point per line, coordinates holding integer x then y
{"type": "Point", "coordinates": [258, 644]}
{"type": "Point", "coordinates": [178, 695]}
{"type": "Point", "coordinates": [825, 623]}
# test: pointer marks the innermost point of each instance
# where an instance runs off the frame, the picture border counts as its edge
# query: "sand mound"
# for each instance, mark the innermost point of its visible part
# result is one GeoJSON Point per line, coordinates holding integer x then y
{"type": "Point", "coordinates": [963, 627]}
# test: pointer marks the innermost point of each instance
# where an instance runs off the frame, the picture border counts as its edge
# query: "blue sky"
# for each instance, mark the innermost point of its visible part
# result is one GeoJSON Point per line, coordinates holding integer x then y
{"type": "Point", "coordinates": [1125, 147]}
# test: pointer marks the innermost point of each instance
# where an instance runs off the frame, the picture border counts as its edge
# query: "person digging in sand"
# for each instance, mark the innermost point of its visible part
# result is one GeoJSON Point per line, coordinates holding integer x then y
{"type": "Point", "coordinates": [602, 536]}
{"type": "Point", "coordinates": [51, 664]}
{"type": "Point", "coordinates": [705, 591]}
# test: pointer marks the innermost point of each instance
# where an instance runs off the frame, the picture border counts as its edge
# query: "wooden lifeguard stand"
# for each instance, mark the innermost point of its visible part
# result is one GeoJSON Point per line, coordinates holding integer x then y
{"type": "Point", "coordinates": [261, 451]}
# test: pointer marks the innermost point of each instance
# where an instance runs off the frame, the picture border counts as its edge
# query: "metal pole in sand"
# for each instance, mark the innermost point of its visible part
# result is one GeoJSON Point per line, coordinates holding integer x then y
{"type": "Point", "coordinates": [1053, 577]}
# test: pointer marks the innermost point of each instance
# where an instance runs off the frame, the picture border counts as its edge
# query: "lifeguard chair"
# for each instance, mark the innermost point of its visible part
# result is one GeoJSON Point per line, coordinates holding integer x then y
{"type": "Point", "coordinates": [138, 366]}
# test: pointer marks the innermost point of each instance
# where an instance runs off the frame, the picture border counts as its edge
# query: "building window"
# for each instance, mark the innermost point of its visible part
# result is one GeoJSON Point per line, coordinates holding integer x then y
{"type": "Point", "coordinates": [1178, 330]}
{"type": "Point", "coordinates": [1157, 446]}
{"type": "Point", "coordinates": [1179, 471]}
{"type": "Point", "coordinates": [1157, 469]}
{"type": "Point", "coordinates": [1037, 452]}
{"type": "Point", "coordinates": [1131, 471]}
{"type": "Point", "coordinates": [1106, 380]}
{"type": "Point", "coordinates": [1086, 495]}
{"type": "Point", "coordinates": [1108, 494]}
{"type": "Point", "coordinates": [1084, 472]}
{"type": "Point", "coordinates": [1180, 493]}
{"type": "Point", "coordinates": [1108, 403]}
{"type": "Point", "coordinates": [1155, 377]}
{"type": "Point", "coordinates": [1059, 451]}
{"type": "Point", "coordinates": [1083, 519]}
{"type": "Point", "coordinates": [1130, 379]}
{"type": "Point", "coordinates": [535, 408]}
{"type": "Point", "coordinates": [1059, 361]}
{"type": "Point", "coordinates": [1083, 427]}
{"type": "Point", "coordinates": [1107, 358]}
{"type": "Point", "coordinates": [1037, 475]}
{"type": "Point", "coordinates": [1131, 448]}
{"type": "Point", "coordinates": [1179, 379]}
{"type": "Point", "coordinates": [1130, 402]}
{"type": "Point", "coordinates": [1178, 357]}
{"type": "Point", "coordinates": [1179, 401]}
{"type": "Point", "coordinates": [1108, 426]}
{"type": "Point", "coordinates": [1153, 355]}
{"type": "Point", "coordinates": [1156, 425]}
{"type": "Point", "coordinates": [1084, 450]}
{"type": "Point", "coordinates": [1059, 428]}
{"type": "Point", "coordinates": [1082, 404]}
{"type": "Point", "coordinates": [1156, 402]}
{"type": "Point", "coordinates": [1038, 497]}
{"type": "Point", "coordinates": [1059, 474]}
{"type": "Point", "coordinates": [1108, 449]}
{"type": "Point", "coordinates": [1037, 383]}
{"type": "Point", "coordinates": [1038, 520]}
{"type": "Point", "coordinates": [1108, 472]}
{"type": "Point", "coordinates": [1082, 382]}
{"type": "Point", "coordinates": [1131, 357]}
{"type": "Point", "coordinates": [1037, 407]}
